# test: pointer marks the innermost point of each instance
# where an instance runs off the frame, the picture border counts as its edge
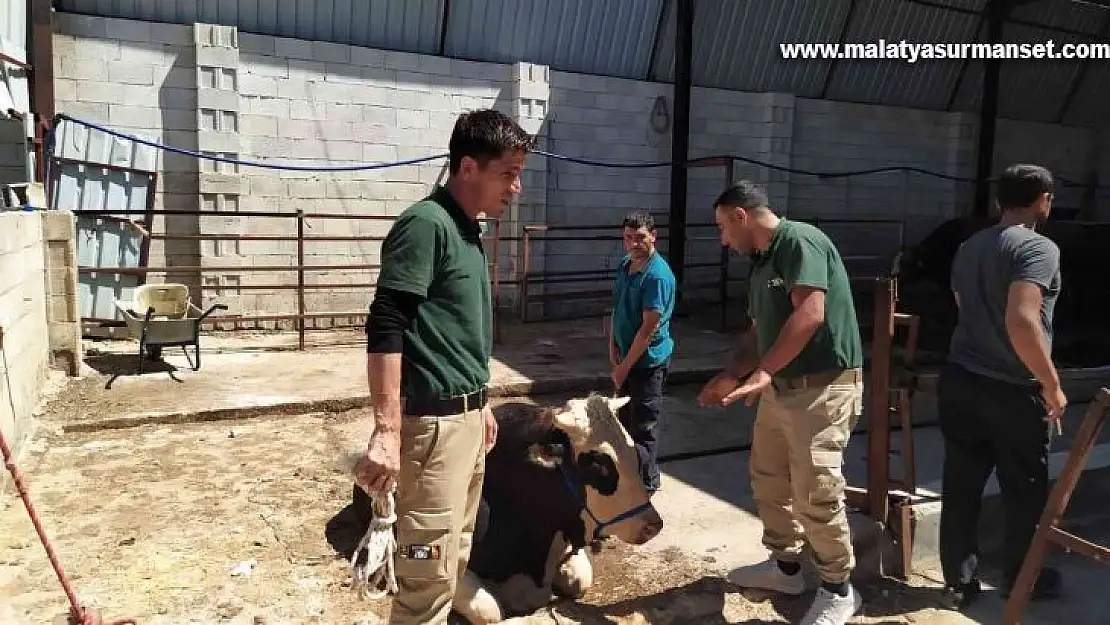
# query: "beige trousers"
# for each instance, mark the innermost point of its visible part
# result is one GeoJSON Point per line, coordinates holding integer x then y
{"type": "Point", "coordinates": [438, 490]}
{"type": "Point", "coordinates": [801, 431]}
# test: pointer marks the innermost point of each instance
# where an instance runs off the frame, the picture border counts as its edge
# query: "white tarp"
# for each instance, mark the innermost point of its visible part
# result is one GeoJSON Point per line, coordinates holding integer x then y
{"type": "Point", "coordinates": [14, 93]}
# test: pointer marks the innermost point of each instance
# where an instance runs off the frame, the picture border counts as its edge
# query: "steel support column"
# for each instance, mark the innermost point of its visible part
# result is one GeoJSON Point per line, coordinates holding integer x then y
{"type": "Point", "coordinates": [680, 138]}
{"type": "Point", "coordinates": [997, 11]}
{"type": "Point", "coordinates": [42, 78]}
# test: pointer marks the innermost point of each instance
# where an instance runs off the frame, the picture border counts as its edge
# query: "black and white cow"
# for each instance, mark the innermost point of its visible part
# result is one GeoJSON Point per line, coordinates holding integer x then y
{"type": "Point", "coordinates": [557, 481]}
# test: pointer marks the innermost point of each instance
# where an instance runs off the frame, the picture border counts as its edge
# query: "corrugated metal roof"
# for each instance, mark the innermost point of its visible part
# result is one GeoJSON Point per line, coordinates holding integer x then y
{"type": "Point", "coordinates": [610, 37]}
{"type": "Point", "coordinates": [13, 43]}
{"type": "Point", "coordinates": [736, 41]}
{"type": "Point", "coordinates": [925, 83]}
{"type": "Point", "coordinates": [1030, 89]}
{"type": "Point", "coordinates": [736, 44]}
{"type": "Point", "coordinates": [1074, 16]}
{"type": "Point", "coordinates": [406, 25]}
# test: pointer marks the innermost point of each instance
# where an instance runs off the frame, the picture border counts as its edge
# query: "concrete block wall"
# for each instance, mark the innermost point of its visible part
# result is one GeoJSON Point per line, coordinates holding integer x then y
{"type": "Point", "coordinates": [13, 160]}
{"type": "Point", "coordinates": [294, 101]}
{"type": "Point", "coordinates": [23, 318]}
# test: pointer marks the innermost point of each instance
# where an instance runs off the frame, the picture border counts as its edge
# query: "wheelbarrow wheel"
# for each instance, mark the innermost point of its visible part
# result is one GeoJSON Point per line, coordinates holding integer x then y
{"type": "Point", "coordinates": [154, 352]}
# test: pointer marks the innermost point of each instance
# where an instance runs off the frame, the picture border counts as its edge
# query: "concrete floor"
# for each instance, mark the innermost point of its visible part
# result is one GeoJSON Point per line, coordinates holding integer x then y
{"type": "Point", "coordinates": [151, 518]}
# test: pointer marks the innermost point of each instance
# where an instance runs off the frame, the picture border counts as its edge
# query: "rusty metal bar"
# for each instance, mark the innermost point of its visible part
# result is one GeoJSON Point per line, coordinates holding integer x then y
{"type": "Point", "coordinates": [526, 268]}
{"type": "Point", "coordinates": [262, 237]}
{"type": "Point", "coordinates": [878, 430]}
{"type": "Point", "coordinates": [11, 60]}
{"type": "Point", "coordinates": [496, 268]}
{"type": "Point", "coordinates": [347, 216]}
{"type": "Point", "coordinates": [1048, 531]}
{"type": "Point", "coordinates": [205, 269]}
{"type": "Point", "coordinates": [284, 317]}
{"type": "Point", "coordinates": [178, 212]}
{"type": "Point", "coordinates": [42, 80]}
{"type": "Point", "coordinates": [300, 280]}
{"type": "Point", "coordinates": [289, 287]}
{"type": "Point", "coordinates": [107, 167]}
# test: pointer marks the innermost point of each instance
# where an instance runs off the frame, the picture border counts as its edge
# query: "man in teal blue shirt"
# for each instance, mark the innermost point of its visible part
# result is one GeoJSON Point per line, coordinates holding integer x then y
{"type": "Point", "coordinates": [640, 343]}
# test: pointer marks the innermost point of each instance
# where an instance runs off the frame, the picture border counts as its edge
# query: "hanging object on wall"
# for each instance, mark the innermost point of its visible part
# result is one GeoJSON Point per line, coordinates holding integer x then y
{"type": "Point", "coordinates": [660, 115]}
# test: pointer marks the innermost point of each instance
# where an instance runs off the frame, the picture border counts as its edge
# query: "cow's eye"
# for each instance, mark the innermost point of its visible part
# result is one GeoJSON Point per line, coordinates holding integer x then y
{"type": "Point", "coordinates": [599, 471]}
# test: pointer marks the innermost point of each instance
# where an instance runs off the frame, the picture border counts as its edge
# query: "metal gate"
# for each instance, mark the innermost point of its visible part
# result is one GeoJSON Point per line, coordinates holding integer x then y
{"type": "Point", "coordinates": [91, 170]}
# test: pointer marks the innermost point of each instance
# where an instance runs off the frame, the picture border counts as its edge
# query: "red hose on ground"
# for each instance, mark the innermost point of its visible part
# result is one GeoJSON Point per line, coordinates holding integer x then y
{"type": "Point", "coordinates": [78, 615]}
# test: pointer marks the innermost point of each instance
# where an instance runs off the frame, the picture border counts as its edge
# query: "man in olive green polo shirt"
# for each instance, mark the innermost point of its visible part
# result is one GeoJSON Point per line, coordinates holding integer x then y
{"type": "Point", "coordinates": [802, 358]}
{"type": "Point", "coordinates": [429, 342]}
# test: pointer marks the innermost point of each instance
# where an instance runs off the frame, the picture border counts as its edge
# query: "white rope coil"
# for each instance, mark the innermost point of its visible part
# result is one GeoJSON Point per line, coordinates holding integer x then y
{"type": "Point", "coordinates": [374, 575]}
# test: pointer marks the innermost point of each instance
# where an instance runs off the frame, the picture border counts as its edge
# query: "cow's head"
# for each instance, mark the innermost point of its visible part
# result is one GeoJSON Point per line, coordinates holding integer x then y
{"type": "Point", "coordinates": [595, 450]}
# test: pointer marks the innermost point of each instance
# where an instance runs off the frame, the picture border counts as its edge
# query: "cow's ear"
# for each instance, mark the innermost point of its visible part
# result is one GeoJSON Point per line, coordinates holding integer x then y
{"type": "Point", "coordinates": [549, 455]}
{"type": "Point", "coordinates": [617, 403]}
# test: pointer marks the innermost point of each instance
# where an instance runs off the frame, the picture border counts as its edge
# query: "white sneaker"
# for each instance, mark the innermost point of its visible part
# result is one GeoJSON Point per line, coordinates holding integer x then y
{"type": "Point", "coordinates": [767, 575]}
{"type": "Point", "coordinates": [831, 609]}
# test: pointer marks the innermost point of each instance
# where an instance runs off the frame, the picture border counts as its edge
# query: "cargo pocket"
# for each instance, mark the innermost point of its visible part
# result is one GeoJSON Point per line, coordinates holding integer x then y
{"type": "Point", "coordinates": [828, 482]}
{"type": "Point", "coordinates": [424, 545]}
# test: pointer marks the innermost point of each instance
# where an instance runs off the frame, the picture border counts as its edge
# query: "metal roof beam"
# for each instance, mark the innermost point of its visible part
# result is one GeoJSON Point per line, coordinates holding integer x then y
{"type": "Point", "coordinates": [1081, 75]}
{"type": "Point", "coordinates": [840, 40]}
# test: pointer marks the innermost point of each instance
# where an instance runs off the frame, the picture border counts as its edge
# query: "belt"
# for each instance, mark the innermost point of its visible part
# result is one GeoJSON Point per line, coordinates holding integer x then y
{"type": "Point", "coordinates": [444, 406]}
{"type": "Point", "coordinates": [823, 378]}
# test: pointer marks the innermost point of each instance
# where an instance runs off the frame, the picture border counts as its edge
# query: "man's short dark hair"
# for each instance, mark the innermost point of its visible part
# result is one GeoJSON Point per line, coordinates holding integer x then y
{"type": "Point", "coordinates": [744, 194]}
{"type": "Point", "coordinates": [639, 219]}
{"type": "Point", "coordinates": [484, 135]}
{"type": "Point", "coordinates": [1019, 186]}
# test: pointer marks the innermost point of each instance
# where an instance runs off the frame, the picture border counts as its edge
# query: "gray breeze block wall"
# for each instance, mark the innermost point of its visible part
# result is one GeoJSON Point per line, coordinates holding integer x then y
{"type": "Point", "coordinates": [293, 101]}
{"type": "Point", "coordinates": [23, 316]}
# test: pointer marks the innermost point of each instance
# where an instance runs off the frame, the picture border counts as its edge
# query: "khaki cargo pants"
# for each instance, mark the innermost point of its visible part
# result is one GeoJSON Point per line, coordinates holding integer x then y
{"type": "Point", "coordinates": [801, 430]}
{"type": "Point", "coordinates": [442, 467]}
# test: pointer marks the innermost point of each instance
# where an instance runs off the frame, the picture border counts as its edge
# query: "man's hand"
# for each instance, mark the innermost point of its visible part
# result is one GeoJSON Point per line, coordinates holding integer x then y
{"type": "Point", "coordinates": [1056, 401]}
{"type": "Point", "coordinates": [716, 389]}
{"type": "Point", "coordinates": [619, 375]}
{"type": "Point", "coordinates": [752, 388]}
{"type": "Point", "coordinates": [377, 469]}
{"type": "Point", "coordinates": [491, 428]}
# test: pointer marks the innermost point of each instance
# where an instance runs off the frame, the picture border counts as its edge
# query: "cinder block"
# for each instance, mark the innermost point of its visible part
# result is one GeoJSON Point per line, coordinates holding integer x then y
{"type": "Point", "coordinates": [253, 84]}
{"type": "Point", "coordinates": [58, 226]}
{"type": "Point", "coordinates": [140, 53]}
{"type": "Point", "coordinates": [217, 99]}
{"type": "Point", "coordinates": [267, 185]}
{"type": "Point", "coordinates": [217, 56]}
{"type": "Point", "coordinates": [222, 183]}
{"type": "Point", "coordinates": [331, 52]}
{"type": "Point", "coordinates": [293, 48]}
{"type": "Point", "coordinates": [272, 107]}
{"type": "Point", "coordinates": [228, 142]}
{"type": "Point", "coordinates": [215, 35]}
{"type": "Point", "coordinates": [77, 25]}
{"type": "Point", "coordinates": [369, 57]}
{"type": "Point", "coordinates": [82, 68]}
{"type": "Point", "coordinates": [131, 73]}
{"type": "Point", "coordinates": [134, 116]}
{"type": "Point", "coordinates": [343, 112]}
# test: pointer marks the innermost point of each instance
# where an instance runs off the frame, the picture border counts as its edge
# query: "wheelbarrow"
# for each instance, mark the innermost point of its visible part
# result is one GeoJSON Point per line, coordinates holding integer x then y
{"type": "Point", "coordinates": [161, 315]}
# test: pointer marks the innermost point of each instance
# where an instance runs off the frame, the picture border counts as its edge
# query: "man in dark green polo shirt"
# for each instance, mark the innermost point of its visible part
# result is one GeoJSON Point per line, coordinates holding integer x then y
{"type": "Point", "coordinates": [429, 341]}
{"type": "Point", "coordinates": [802, 358]}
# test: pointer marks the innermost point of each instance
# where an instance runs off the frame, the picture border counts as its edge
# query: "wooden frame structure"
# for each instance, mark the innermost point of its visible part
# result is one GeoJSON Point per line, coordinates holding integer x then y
{"type": "Point", "coordinates": [1048, 530]}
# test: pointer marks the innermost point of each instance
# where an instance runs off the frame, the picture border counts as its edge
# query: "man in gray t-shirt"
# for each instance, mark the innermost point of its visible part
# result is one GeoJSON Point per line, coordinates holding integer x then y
{"type": "Point", "coordinates": [1000, 390]}
{"type": "Point", "coordinates": [982, 272]}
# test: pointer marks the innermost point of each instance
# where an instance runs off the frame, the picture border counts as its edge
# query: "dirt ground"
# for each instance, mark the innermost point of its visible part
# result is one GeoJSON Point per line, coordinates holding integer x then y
{"type": "Point", "coordinates": [149, 523]}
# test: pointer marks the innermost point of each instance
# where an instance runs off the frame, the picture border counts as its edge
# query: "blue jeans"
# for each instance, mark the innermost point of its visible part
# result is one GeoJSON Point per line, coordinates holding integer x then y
{"type": "Point", "coordinates": [640, 416]}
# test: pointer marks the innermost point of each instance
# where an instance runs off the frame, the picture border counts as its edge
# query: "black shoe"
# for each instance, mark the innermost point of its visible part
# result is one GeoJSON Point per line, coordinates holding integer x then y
{"type": "Point", "coordinates": [1047, 586]}
{"type": "Point", "coordinates": [961, 596]}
